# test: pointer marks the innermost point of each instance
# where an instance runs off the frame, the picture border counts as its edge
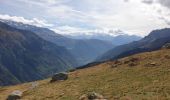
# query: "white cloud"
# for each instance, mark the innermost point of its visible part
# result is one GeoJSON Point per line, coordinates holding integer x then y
{"type": "Point", "coordinates": [148, 1]}
{"type": "Point", "coordinates": [160, 9]}
{"type": "Point", "coordinates": [68, 29]}
{"type": "Point", "coordinates": [41, 2]}
{"type": "Point", "coordinates": [75, 31]}
{"type": "Point", "coordinates": [34, 21]}
{"type": "Point", "coordinates": [129, 15]}
{"type": "Point", "coordinates": [165, 3]}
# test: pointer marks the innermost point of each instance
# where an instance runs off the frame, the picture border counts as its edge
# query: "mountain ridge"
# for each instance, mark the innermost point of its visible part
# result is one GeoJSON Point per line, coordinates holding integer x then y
{"type": "Point", "coordinates": [153, 41]}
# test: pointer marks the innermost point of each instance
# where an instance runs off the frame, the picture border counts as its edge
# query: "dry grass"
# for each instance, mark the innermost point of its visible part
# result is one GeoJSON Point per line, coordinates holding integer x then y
{"type": "Point", "coordinates": [141, 81]}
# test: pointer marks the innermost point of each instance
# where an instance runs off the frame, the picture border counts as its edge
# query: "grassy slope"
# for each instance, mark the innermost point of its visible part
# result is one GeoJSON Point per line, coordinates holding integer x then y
{"type": "Point", "coordinates": [124, 82]}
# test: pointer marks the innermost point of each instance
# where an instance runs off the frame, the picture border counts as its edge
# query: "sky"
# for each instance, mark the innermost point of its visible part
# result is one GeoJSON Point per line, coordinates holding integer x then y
{"type": "Point", "coordinates": [138, 17]}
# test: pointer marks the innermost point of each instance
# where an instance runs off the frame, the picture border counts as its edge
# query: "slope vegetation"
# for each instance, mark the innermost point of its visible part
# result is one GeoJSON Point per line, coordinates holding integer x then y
{"type": "Point", "coordinates": [139, 77]}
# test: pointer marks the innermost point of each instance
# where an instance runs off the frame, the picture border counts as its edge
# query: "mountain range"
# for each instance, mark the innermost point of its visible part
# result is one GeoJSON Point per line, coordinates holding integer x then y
{"type": "Point", "coordinates": [117, 37]}
{"type": "Point", "coordinates": [84, 50]}
{"type": "Point", "coordinates": [154, 41]}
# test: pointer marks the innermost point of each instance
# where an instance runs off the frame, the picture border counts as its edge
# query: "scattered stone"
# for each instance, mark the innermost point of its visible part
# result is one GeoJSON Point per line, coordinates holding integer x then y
{"type": "Point", "coordinates": [116, 98]}
{"type": "Point", "coordinates": [59, 76]}
{"type": "Point", "coordinates": [114, 66]}
{"type": "Point", "coordinates": [61, 94]}
{"type": "Point", "coordinates": [92, 96]}
{"type": "Point", "coordinates": [166, 46]}
{"type": "Point", "coordinates": [132, 64]}
{"type": "Point", "coordinates": [167, 56]}
{"type": "Point", "coordinates": [83, 97]}
{"type": "Point", "coordinates": [152, 64]}
{"type": "Point", "coordinates": [168, 70]}
{"type": "Point", "coordinates": [126, 61]}
{"type": "Point", "coordinates": [15, 95]}
{"type": "Point", "coordinates": [34, 85]}
{"type": "Point", "coordinates": [155, 81]}
{"type": "Point", "coordinates": [134, 59]}
{"type": "Point", "coordinates": [117, 62]}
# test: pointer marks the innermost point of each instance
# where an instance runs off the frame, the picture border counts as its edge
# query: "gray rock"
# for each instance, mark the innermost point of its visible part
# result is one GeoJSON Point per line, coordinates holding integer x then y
{"type": "Point", "coordinates": [15, 95]}
{"type": "Point", "coordinates": [59, 76]}
{"type": "Point", "coordinates": [132, 64]}
{"type": "Point", "coordinates": [92, 96]}
{"type": "Point", "coordinates": [34, 85]}
{"type": "Point", "coordinates": [167, 56]}
{"type": "Point", "coordinates": [151, 64]}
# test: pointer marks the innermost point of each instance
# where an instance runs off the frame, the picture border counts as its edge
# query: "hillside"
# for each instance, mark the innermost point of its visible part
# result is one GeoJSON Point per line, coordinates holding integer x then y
{"type": "Point", "coordinates": [154, 41]}
{"type": "Point", "coordinates": [143, 76]}
{"type": "Point", "coordinates": [24, 56]}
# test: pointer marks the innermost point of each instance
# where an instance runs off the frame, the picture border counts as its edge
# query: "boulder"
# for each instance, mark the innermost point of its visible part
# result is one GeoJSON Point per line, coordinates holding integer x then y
{"type": "Point", "coordinates": [34, 85]}
{"type": "Point", "coordinates": [132, 64]}
{"type": "Point", "coordinates": [166, 46]}
{"type": "Point", "coordinates": [152, 64]}
{"type": "Point", "coordinates": [114, 66]}
{"type": "Point", "coordinates": [15, 95]}
{"type": "Point", "coordinates": [92, 96]}
{"type": "Point", "coordinates": [83, 97]}
{"type": "Point", "coordinates": [167, 56]}
{"type": "Point", "coordinates": [132, 60]}
{"type": "Point", "coordinates": [59, 76]}
{"type": "Point", "coordinates": [117, 62]}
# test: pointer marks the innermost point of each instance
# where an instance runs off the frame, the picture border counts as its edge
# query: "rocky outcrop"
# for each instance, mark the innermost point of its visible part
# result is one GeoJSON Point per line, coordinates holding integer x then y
{"type": "Point", "coordinates": [59, 76]}
{"type": "Point", "coordinates": [15, 95]}
{"type": "Point", "coordinates": [92, 96]}
{"type": "Point", "coordinates": [151, 64]}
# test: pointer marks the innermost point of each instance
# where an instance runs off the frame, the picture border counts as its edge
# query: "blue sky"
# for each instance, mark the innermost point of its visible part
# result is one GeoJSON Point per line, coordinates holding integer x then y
{"type": "Point", "coordinates": [137, 17]}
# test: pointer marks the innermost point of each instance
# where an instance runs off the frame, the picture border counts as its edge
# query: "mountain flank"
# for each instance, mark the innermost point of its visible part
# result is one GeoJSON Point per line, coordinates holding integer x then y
{"type": "Point", "coordinates": [143, 76]}
{"type": "Point", "coordinates": [24, 56]}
